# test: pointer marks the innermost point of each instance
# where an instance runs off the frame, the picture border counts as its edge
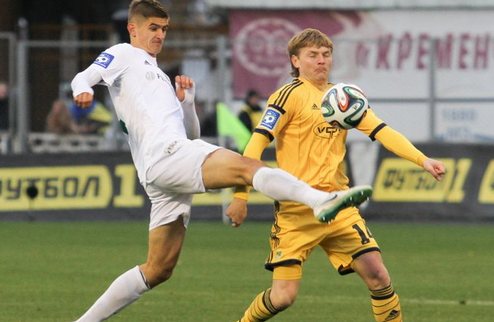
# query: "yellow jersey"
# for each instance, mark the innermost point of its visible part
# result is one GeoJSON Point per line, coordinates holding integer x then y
{"type": "Point", "coordinates": [307, 146]}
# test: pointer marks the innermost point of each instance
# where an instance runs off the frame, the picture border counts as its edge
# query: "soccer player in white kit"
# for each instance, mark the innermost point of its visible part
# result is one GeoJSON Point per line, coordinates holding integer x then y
{"type": "Point", "coordinates": [172, 164]}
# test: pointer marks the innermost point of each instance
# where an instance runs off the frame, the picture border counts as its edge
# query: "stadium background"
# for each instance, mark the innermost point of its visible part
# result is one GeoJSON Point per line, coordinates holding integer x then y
{"type": "Point", "coordinates": [430, 80]}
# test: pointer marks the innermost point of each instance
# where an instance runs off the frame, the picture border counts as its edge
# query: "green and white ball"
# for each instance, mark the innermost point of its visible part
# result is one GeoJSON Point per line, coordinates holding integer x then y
{"type": "Point", "coordinates": [344, 105]}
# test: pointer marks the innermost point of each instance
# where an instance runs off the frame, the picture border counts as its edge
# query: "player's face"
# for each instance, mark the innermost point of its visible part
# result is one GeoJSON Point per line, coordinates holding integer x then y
{"type": "Point", "coordinates": [149, 34]}
{"type": "Point", "coordinates": [314, 63]}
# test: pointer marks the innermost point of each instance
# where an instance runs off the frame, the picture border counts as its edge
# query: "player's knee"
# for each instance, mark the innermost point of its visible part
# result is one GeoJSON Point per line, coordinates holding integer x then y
{"type": "Point", "coordinates": [378, 278]}
{"type": "Point", "coordinates": [283, 300]}
{"type": "Point", "coordinates": [162, 276]}
{"type": "Point", "coordinates": [158, 275]}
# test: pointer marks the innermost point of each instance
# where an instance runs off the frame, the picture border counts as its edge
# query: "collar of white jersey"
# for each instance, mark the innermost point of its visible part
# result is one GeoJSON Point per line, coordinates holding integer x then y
{"type": "Point", "coordinates": [150, 59]}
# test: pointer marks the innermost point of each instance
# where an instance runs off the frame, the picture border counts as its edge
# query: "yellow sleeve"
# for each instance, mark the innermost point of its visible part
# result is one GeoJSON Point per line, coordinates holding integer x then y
{"type": "Point", "coordinates": [253, 150]}
{"type": "Point", "coordinates": [397, 143]}
{"type": "Point", "coordinates": [391, 139]}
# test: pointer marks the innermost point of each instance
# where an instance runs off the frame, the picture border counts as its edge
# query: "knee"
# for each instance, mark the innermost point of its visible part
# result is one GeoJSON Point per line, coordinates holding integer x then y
{"type": "Point", "coordinates": [157, 275]}
{"type": "Point", "coordinates": [377, 278]}
{"type": "Point", "coordinates": [283, 299]}
{"type": "Point", "coordinates": [163, 275]}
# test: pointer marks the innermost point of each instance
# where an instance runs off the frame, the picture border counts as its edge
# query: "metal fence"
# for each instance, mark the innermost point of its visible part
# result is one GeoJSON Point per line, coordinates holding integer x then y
{"type": "Point", "coordinates": [38, 74]}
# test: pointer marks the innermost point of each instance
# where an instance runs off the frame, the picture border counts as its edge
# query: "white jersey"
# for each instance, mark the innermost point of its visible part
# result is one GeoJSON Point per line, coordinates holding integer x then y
{"type": "Point", "coordinates": [144, 99]}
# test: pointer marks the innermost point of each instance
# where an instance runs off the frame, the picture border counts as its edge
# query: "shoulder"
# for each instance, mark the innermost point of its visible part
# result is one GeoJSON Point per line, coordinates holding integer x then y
{"type": "Point", "coordinates": [115, 56]}
{"type": "Point", "coordinates": [288, 94]}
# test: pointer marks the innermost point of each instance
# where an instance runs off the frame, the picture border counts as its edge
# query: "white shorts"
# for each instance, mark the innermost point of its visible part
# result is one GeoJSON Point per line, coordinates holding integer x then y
{"type": "Point", "coordinates": [174, 179]}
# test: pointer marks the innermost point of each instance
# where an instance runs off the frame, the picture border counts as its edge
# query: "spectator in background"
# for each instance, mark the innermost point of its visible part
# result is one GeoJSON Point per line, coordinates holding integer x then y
{"type": "Point", "coordinates": [59, 120]}
{"type": "Point", "coordinates": [4, 106]}
{"type": "Point", "coordinates": [75, 120]}
{"type": "Point", "coordinates": [251, 112]}
{"type": "Point", "coordinates": [95, 119]}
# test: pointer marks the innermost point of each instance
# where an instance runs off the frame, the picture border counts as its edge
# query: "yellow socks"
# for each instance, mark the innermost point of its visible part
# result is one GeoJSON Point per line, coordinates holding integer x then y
{"type": "Point", "coordinates": [260, 309]}
{"type": "Point", "coordinates": [386, 305]}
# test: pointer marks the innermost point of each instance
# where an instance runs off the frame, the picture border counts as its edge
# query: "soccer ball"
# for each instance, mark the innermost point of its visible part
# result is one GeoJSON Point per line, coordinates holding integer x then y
{"type": "Point", "coordinates": [344, 105]}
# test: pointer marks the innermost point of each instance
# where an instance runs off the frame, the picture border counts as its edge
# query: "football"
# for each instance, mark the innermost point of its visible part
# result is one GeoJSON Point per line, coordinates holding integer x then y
{"type": "Point", "coordinates": [344, 105]}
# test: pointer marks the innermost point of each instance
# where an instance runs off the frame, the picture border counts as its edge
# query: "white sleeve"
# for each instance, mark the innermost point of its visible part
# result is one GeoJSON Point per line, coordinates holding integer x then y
{"type": "Point", "coordinates": [191, 120]}
{"type": "Point", "coordinates": [85, 80]}
{"type": "Point", "coordinates": [107, 67]}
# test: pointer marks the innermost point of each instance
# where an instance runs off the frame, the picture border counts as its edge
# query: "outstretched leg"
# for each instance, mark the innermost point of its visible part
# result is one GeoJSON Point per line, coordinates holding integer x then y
{"type": "Point", "coordinates": [165, 243]}
{"type": "Point", "coordinates": [224, 168]}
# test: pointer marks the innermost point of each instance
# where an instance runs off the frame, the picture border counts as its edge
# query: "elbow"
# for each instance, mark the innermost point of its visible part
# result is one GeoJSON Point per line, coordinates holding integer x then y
{"type": "Point", "coordinates": [194, 135]}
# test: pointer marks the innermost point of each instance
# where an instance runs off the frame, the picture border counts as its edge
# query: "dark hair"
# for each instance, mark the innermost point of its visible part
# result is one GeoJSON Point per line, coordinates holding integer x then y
{"type": "Point", "coordinates": [307, 38]}
{"type": "Point", "coordinates": [147, 9]}
{"type": "Point", "coordinates": [251, 93]}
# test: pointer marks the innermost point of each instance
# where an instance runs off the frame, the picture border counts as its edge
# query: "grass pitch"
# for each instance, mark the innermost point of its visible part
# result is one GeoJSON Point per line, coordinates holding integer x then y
{"type": "Point", "coordinates": [54, 272]}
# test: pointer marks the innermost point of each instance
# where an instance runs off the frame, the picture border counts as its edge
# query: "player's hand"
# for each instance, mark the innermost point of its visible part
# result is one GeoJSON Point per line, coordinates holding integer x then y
{"type": "Point", "coordinates": [436, 168]}
{"type": "Point", "coordinates": [184, 87]}
{"type": "Point", "coordinates": [84, 100]}
{"type": "Point", "coordinates": [237, 211]}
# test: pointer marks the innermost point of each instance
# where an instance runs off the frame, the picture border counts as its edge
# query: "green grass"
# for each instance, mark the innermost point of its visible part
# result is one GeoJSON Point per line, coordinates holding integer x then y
{"type": "Point", "coordinates": [54, 271]}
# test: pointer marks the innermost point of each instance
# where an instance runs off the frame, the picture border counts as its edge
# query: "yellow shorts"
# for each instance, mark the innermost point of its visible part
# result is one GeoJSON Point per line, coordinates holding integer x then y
{"type": "Point", "coordinates": [296, 232]}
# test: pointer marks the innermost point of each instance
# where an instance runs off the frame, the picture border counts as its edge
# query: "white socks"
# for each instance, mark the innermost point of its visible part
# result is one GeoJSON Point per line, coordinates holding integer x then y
{"type": "Point", "coordinates": [280, 185]}
{"type": "Point", "coordinates": [126, 289]}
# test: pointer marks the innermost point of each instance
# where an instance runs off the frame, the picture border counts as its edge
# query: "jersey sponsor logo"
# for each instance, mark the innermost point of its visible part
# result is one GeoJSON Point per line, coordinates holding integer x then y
{"type": "Point", "coordinates": [270, 119]}
{"type": "Point", "coordinates": [326, 131]}
{"type": "Point", "coordinates": [104, 60]}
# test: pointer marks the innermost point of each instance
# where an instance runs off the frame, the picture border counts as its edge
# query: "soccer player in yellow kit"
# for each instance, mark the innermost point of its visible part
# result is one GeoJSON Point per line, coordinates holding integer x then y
{"type": "Point", "coordinates": [313, 151]}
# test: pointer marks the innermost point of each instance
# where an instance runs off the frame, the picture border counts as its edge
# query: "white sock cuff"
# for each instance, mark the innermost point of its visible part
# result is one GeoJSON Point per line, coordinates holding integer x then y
{"type": "Point", "coordinates": [143, 284]}
{"type": "Point", "coordinates": [259, 177]}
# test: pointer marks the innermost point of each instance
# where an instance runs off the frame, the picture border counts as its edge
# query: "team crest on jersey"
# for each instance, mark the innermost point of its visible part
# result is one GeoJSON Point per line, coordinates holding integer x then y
{"type": "Point", "coordinates": [104, 60]}
{"type": "Point", "coordinates": [270, 119]}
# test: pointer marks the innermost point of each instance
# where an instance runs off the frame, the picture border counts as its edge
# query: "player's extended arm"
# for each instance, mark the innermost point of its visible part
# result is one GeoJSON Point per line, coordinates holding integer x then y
{"type": "Point", "coordinates": [82, 86]}
{"type": "Point", "coordinates": [185, 90]}
{"type": "Point", "coordinates": [237, 210]}
{"type": "Point", "coordinates": [397, 143]}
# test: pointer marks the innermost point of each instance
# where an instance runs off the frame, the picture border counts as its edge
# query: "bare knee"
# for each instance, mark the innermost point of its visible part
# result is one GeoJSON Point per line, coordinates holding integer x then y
{"type": "Point", "coordinates": [371, 269]}
{"type": "Point", "coordinates": [284, 297]}
{"type": "Point", "coordinates": [156, 275]}
{"type": "Point", "coordinates": [377, 278]}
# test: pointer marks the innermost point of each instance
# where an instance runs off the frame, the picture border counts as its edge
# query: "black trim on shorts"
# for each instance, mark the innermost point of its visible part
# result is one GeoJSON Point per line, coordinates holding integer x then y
{"type": "Point", "coordinates": [288, 262]}
{"type": "Point", "coordinates": [367, 250]}
{"type": "Point", "coordinates": [345, 271]}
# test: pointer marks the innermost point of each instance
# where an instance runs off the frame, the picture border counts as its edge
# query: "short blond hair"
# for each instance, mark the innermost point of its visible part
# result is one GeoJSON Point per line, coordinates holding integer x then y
{"type": "Point", "coordinates": [307, 38]}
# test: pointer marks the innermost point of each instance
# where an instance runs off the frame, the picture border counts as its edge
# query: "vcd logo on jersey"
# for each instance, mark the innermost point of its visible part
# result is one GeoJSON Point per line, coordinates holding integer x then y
{"type": "Point", "coordinates": [270, 118]}
{"type": "Point", "coordinates": [326, 131]}
{"type": "Point", "coordinates": [103, 60]}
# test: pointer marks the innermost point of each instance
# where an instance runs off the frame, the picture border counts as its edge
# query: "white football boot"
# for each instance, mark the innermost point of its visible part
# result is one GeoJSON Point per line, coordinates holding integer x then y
{"type": "Point", "coordinates": [339, 200]}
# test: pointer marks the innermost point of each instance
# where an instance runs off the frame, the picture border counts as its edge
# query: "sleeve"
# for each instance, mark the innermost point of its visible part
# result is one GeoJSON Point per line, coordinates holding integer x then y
{"type": "Point", "coordinates": [254, 149]}
{"type": "Point", "coordinates": [113, 62]}
{"type": "Point", "coordinates": [279, 112]}
{"type": "Point", "coordinates": [397, 143]}
{"type": "Point", "coordinates": [106, 68]}
{"type": "Point", "coordinates": [85, 80]}
{"type": "Point", "coordinates": [391, 139]}
{"type": "Point", "coordinates": [191, 120]}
